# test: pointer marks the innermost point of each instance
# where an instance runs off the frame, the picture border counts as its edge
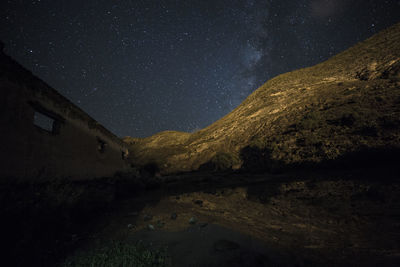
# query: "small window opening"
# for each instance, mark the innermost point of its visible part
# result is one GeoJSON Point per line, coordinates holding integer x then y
{"type": "Point", "coordinates": [44, 122]}
{"type": "Point", "coordinates": [101, 145]}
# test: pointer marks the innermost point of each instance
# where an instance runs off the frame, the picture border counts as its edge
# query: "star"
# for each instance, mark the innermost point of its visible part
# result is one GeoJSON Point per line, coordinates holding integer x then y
{"type": "Point", "coordinates": [140, 67]}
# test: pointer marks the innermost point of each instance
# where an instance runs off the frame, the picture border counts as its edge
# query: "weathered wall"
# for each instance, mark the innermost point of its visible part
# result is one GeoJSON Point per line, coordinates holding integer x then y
{"type": "Point", "coordinates": [76, 147]}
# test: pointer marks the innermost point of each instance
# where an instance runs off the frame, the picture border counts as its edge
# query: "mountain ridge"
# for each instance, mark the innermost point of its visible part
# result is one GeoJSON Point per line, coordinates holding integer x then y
{"type": "Point", "coordinates": [314, 114]}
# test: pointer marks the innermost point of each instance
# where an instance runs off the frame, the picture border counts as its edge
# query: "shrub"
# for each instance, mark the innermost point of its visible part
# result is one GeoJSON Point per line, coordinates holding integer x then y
{"type": "Point", "coordinates": [150, 169]}
{"type": "Point", "coordinates": [256, 159]}
{"type": "Point", "coordinates": [222, 161]}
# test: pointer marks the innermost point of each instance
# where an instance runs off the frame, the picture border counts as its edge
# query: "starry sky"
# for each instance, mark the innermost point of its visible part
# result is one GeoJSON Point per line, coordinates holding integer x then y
{"type": "Point", "coordinates": [143, 66]}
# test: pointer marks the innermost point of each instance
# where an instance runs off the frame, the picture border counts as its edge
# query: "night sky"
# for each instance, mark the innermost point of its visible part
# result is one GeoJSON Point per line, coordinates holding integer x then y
{"type": "Point", "coordinates": [143, 66]}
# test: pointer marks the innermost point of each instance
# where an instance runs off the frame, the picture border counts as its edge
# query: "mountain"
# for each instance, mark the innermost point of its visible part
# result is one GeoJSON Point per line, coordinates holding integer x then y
{"type": "Point", "coordinates": [344, 109]}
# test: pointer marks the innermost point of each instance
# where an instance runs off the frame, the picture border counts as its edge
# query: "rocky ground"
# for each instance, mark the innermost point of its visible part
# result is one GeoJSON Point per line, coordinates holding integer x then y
{"type": "Point", "coordinates": [329, 218]}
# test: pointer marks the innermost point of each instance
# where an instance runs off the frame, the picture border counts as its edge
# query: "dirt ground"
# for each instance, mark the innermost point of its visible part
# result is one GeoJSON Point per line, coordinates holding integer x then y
{"type": "Point", "coordinates": [299, 219]}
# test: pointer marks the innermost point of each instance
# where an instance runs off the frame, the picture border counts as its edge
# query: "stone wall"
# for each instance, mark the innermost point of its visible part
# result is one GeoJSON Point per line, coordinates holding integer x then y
{"type": "Point", "coordinates": [45, 136]}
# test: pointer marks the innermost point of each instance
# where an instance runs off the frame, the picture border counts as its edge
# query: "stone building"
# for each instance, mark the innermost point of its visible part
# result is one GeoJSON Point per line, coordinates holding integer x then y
{"type": "Point", "coordinates": [45, 136]}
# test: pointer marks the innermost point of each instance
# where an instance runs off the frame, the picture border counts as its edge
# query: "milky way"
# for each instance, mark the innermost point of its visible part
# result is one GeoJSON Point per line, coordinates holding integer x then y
{"type": "Point", "coordinates": [140, 67]}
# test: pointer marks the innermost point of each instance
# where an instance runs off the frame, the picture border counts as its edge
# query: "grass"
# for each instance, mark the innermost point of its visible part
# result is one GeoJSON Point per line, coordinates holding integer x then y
{"type": "Point", "coordinates": [119, 254]}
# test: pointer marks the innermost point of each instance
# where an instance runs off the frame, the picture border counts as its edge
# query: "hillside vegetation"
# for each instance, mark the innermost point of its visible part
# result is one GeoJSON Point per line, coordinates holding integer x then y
{"type": "Point", "coordinates": [346, 105]}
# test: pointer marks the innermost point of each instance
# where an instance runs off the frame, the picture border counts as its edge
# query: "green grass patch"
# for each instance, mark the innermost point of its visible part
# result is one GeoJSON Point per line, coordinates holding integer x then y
{"type": "Point", "coordinates": [118, 254]}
